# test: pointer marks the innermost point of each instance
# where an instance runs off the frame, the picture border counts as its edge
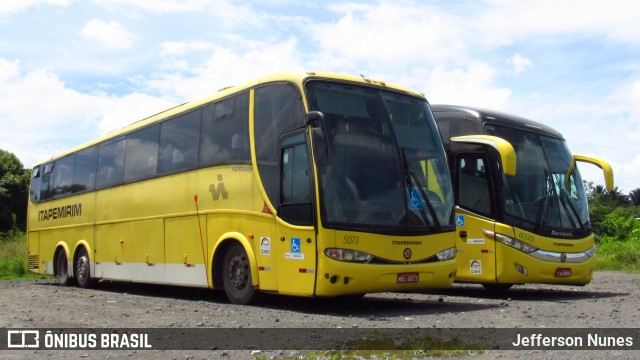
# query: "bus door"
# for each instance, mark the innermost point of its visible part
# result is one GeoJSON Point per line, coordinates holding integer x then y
{"type": "Point", "coordinates": [297, 260]}
{"type": "Point", "coordinates": [474, 220]}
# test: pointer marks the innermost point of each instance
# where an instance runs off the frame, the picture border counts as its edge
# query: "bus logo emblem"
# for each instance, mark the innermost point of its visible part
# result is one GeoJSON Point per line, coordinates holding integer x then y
{"type": "Point", "coordinates": [407, 253]}
{"type": "Point", "coordinates": [216, 191]}
{"type": "Point", "coordinates": [563, 257]}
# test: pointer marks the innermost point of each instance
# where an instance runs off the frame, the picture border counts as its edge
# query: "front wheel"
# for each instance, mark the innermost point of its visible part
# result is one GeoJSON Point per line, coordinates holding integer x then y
{"type": "Point", "coordinates": [62, 269]}
{"type": "Point", "coordinates": [237, 276]}
{"type": "Point", "coordinates": [83, 269]}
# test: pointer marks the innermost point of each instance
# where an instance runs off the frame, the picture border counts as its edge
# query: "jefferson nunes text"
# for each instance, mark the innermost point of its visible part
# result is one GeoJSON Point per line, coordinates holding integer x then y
{"type": "Point", "coordinates": [60, 212]}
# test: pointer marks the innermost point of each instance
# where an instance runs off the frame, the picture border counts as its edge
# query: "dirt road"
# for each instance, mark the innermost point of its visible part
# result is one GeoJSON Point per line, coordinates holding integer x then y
{"type": "Point", "coordinates": [612, 300]}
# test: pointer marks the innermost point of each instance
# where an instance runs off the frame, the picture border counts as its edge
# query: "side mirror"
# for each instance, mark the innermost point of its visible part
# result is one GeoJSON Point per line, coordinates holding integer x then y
{"type": "Point", "coordinates": [314, 118]}
{"type": "Point", "coordinates": [601, 163]}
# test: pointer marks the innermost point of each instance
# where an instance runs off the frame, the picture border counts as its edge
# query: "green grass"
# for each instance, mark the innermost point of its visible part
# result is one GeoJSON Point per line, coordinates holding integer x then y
{"type": "Point", "coordinates": [614, 254]}
{"type": "Point", "coordinates": [13, 257]}
{"type": "Point", "coordinates": [390, 348]}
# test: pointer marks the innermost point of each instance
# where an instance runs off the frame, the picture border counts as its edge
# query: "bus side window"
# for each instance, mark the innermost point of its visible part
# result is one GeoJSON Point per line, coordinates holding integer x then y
{"type": "Point", "coordinates": [278, 109]}
{"type": "Point", "coordinates": [179, 139]}
{"type": "Point", "coordinates": [225, 134]}
{"type": "Point", "coordinates": [141, 159]}
{"type": "Point", "coordinates": [46, 188]}
{"type": "Point", "coordinates": [63, 176]}
{"type": "Point", "coordinates": [36, 182]}
{"type": "Point", "coordinates": [84, 170]}
{"type": "Point", "coordinates": [110, 163]}
{"type": "Point", "coordinates": [473, 184]}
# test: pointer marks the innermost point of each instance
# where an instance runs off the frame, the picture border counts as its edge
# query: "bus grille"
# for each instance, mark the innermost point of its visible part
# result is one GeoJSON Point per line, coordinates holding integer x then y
{"type": "Point", "coordinates": [34, 261]}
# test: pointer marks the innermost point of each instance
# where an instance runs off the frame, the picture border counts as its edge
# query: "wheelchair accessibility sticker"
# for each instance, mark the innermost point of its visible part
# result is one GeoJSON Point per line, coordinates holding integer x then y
{"type": "Point", "coordinates": [459, 220]}
{"type": "Point", "coordinates": [414, 200]}
{"type": "Point", "coordinates": [295, 250]}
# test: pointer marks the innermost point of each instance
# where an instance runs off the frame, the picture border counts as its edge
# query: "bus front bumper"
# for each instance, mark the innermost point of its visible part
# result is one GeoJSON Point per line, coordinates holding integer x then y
{"type": "Point", "coordinates": [336, 278]}
{"type": "Point", "coordinates": [516, 267]}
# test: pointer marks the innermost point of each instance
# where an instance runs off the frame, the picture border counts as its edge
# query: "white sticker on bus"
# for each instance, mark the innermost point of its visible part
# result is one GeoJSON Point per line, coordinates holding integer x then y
{"type": "Point", "coordinates": [265, 246]}
{"type": "Point", "coordinates": [475, 267]}
{"type": "Point", "coordinates": [475, 241]}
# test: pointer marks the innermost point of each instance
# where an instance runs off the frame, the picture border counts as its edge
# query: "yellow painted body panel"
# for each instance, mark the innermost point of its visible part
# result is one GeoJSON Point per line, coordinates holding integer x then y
{"type": "Point", "coordinates": [498, 263]}
{"type": "Point", "coordinates": [476, 252]}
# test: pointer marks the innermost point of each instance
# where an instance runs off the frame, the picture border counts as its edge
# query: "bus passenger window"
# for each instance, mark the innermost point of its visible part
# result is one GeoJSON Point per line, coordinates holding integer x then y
{"type": "Point", "coordinates": [84, 170]}
{"type": "Point", "coordinates": [46, 187]}
{"type": "Point", "coordinates": [110, 163]}
{"type": "Point", "coordinates": [141, 160]}
{"type": "Point", "coordinates": [36, 181]}
{"type": "Point", "coordinates": [179, 143]}
{"type": "Point", "coordinates": [224, 125]}
{"type": "Point", "coordinates": [63, 176]}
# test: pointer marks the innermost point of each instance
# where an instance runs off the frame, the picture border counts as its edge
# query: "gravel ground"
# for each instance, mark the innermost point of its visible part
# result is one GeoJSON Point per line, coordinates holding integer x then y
{"type": "Point", "coordinates": [612, 300]}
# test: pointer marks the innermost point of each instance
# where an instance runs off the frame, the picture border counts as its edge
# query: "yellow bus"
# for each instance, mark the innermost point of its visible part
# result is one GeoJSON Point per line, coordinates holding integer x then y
{"type": "Point", "coordinates": [521, 208]}
{"type": "Point", "coordinates": [308, 184]}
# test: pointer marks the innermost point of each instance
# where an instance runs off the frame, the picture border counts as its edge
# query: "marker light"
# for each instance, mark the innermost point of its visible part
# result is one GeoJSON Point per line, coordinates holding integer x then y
{"type": "Point", "coordinates": [348, 255]}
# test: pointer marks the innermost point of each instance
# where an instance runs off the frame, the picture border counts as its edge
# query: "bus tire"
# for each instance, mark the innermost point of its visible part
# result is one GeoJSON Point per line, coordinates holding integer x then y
{"type": "Point", "coordinates": [236, 276]}
{"type": "Point", "coordinates": [82, 268]}
{"type": "Point", "coordinates": [62, 268]}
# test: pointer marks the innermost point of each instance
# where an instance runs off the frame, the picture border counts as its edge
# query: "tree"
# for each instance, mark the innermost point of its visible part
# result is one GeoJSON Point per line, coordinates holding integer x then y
{"type": "Point", "coordinates": [14, 192]}
{"type": "Point", "coordinates": [634, 197]}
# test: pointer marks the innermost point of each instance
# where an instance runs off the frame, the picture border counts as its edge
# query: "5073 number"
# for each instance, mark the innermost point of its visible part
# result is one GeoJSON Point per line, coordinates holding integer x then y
{"type": "Point", "coordinates": [351, 240]}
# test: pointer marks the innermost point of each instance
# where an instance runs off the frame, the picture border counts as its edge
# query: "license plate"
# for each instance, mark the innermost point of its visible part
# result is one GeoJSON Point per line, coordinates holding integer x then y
{"type": "Point", "coordinates": [563, 272]}
{"type": "Point", "coordinates": [404, 278]}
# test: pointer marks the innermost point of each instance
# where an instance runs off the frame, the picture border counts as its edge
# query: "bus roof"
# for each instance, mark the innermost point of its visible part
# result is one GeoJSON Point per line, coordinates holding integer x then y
{"type": "Point", "coordinates": [297, 77]}
{"type": "Point", "coordinates": [496, 117]}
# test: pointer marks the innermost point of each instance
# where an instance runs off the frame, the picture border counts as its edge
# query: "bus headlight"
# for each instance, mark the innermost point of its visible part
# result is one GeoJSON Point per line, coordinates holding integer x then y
{"type": "Point", "coordinates": [448, 254]}
{"type": "Point", "coordinates": [514, 243]}
{"type": "Point", "coordinates": [348, 255]}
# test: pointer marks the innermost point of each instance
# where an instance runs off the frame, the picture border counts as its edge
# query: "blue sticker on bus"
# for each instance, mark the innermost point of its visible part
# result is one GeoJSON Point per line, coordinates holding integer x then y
{"type": "Point", "coordinates": [414, 200]}
{"type": "Point", "coordinates": [295, 245]}
{"type": "Point", "coordinates": [459, 220]}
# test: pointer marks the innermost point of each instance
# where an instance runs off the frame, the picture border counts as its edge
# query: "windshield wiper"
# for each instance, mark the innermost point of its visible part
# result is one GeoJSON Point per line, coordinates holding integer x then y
{"type": "Point", "coordinates": [563, 197]}
{"type": "Point", "coordinates": [412, 177]}
{"type": "Point", "coordinates": [543, 212]}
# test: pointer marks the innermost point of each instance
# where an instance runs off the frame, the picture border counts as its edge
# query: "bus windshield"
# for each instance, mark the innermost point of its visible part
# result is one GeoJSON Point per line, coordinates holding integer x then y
{"type": "Point", "coordinates": [386, 171]}
{"type": "Point", "coordinates": [539, 191]}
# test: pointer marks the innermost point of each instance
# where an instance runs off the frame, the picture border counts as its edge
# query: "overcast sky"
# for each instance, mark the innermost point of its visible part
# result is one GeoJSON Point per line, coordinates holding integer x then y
{"type": "Point", "coordinates": [71, 70]}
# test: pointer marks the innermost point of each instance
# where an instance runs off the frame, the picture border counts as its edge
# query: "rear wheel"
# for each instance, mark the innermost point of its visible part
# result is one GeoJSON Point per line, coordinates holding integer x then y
{"type": "Point", "coordinates": [83, 269]}
{"type": "Point", "coordinates": [236, 276]}
{"type": "Point", "coordinates": [62, 269]}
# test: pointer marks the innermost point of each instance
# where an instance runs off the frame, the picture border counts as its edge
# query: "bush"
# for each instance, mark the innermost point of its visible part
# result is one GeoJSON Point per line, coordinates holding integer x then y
{"type": "Point", "coordinates": [620, 223]}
